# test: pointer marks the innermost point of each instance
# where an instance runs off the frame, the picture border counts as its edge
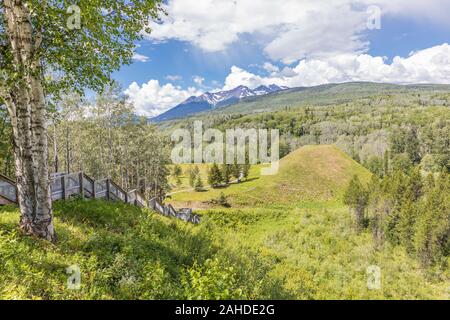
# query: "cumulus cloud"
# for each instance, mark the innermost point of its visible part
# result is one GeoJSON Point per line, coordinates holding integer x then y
{"type": "Point", "coordinates": [430, 65]}
{"type": "Point", "coordinates": [152, 98]}
{"type": "Point", "coordinates": [140, 57]}
{"type": "Point", "coordinates": [291, 30]}
{"type": "Point", "coordinates": [270, 67]}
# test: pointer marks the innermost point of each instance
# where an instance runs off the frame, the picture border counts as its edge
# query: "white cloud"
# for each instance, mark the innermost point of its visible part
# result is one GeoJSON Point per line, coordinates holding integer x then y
{"type": "Point", "coordinates": [152, 99]}
{"type": "Point", "coordinates": [198, 80]}
{"type": "Point", "coordinates": [430, 65]}
{"type": "Point", "coordinates": [140, 57]}
{"type": "Point", "coordinates": [174, 77]}
{"type": "Point", "coordinates": [270, 67]}
{"type": "Point", "coordinates": [290, 30]}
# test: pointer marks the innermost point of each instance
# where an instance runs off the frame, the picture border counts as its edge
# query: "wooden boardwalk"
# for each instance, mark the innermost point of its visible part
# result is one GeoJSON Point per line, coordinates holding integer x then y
{"type": "Point", "coordinates": [65, 186]}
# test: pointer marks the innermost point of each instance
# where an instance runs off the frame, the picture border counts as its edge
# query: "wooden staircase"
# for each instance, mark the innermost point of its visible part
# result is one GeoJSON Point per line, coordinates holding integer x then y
{"type": "Point", "coordinates": [65, 186]}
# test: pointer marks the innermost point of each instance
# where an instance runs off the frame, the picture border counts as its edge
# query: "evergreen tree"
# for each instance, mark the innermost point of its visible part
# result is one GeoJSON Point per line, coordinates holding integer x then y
{"type": "Point", "coordinates": [356, 197]}
{"type": "Point", "coordinates": [177, 171]}
{"type": "Point", "coordinates": [214, 176]}
{"type": "Point", "coordinates": [432, 231]}
{"type": "Point", "coordinates": [192, 177]}
{"type": "Point", "coordinates": [223, 201]}
{"type": "Point", "coordinates": [236, 170]}
{"type": "Point", "coordinates": [199, 187]}
{"type": "Point", "coordinates": [246, 170]}
{"type": "Point", "coordinates": [226, 173]}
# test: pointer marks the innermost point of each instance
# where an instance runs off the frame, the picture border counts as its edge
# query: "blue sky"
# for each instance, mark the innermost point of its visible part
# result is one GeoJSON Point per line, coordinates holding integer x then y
{"type": "Point", "coordinates": [206, 44]}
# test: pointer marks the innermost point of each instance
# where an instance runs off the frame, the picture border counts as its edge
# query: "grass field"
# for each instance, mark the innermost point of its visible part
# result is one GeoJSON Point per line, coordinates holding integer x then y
{"type": "Point", "coordinates": [286, 237]}
{"type": "Point", "coordinates": [317, 173]}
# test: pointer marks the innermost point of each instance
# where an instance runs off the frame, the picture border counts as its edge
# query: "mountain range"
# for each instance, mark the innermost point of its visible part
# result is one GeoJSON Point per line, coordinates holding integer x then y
{"type": "Point", "coordinates": [211, 101]}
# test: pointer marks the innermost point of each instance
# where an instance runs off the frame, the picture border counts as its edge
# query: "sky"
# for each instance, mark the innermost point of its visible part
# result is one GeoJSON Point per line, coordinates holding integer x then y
{"type": "Point", "coordinates": [212, 45]}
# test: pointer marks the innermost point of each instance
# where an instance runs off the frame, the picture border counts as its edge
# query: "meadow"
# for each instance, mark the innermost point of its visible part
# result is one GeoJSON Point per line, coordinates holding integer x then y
{"type": "Point", "coordinates": [302, 248]}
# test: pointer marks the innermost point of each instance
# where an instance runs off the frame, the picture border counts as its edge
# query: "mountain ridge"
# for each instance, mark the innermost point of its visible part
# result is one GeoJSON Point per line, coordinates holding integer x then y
{"type": "Point", "coordinates": [324, 94]}
{"type": "Point", "coordinates": [214, 100]}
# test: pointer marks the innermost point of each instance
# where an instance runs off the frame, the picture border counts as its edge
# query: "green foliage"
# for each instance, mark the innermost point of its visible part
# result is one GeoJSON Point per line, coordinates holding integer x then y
{"type": "Point", "coordinates": [123, 252]}
{"type": "Point", "coordinates": [211, 281]}
{"type": "Point", "coordinates": [193, 174]}
{"type": "Point", "coordinates": [246, 170]}
{"type": "Point", "coordinates": [364, 120]}
{"type": "Point", "coordinates": [177, 171]}
{"type": "Point", "coordinates": [6, 151]}
{"type": "Point", "coordinates": [412, 212]}
{"type": "Point", "coordinates": [432, 230]}
{"type": "Point", "coordinates": [356, 197]}
{"type": "Point", "coordinates": [375, 165]}
{"type": "Point", "coordinates": [85, 56]}
{"type": "Point", "coordinates": [215, 177]}
{"type": "Point", "coordinates": [307, 251]}
{"type": "Point", "coordinates": [199, 187]}
{"type": "Point", "coordinates": [109, 142]}
{"type": "Point", "coordinates": [226, 173]}
{"type": "Point", "coordinates": [223, 201]}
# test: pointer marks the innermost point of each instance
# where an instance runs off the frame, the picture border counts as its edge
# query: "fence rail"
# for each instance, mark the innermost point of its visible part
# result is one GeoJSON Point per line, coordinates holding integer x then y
{"type": "Point", "coordinates": [66, 185]}
{"type": "Point", "coordinates": [8, 190]}
{"type": "Point", "coordinates": [169, 211]}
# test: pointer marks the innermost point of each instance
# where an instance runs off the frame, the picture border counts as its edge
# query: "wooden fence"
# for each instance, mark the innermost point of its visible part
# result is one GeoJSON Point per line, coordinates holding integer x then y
{"type": "Point", "coordinates": [169, 211]}
{"type": "Point", "coordinates": [64, 186]}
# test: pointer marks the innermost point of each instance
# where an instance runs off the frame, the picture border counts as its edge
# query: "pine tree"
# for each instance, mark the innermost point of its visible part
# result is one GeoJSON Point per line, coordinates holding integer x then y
{"type": "Point", "coordinates": [177, 171]}
{"type": "Point", "coordinates": [407, 220]}
{"type": "Point", "coordinates": [192, 176]}
{"type": "Point", "coordinates": [214, 176]}
{"type": "Point", "coordinates": [226, 173]}
{"type": "Point", "coordinates": [356, 197]}
{"type": "Point", "coordinates": [223, 201]}
{"type": "Point", "coordinates": [236, 170]}
{"type": "Point", "coordinates": [432, 231]}
{"type": "Point", "coordinates": [199, 187]}
{"type": "Point", "coordinates": [246, 170]}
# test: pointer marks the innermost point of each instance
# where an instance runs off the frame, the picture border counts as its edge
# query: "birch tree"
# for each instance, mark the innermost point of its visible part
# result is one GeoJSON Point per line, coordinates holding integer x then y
{"type": "Point", "coordinates": [48, 47]}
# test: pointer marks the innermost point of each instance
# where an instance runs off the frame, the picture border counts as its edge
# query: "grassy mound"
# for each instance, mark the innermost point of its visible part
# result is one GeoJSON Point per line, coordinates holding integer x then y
{"type": "Point", "coordinates": [315, 173]}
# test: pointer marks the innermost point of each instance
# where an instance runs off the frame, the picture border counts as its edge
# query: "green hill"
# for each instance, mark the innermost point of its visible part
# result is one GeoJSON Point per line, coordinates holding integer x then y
{"type": "Point", "coordinates": [326, 95]}
{"type": "Point", "coordinates": [316, 173]}
{"type": "Point", "coordinates": [282, 239]}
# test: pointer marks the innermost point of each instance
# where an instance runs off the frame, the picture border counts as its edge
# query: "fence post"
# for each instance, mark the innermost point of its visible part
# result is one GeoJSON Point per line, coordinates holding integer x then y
{"type": "Point", "coordinates": [63, 187]}
{"type": "Point", "coordinates": [81, 177]}
{"type": "Point", "coordinates": [107, 189]}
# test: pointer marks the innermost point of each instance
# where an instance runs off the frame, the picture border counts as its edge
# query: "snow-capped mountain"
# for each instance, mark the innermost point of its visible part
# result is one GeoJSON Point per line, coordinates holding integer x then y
{"type": "Point", "coordinates": [209, 101]}
{"type": "Point", "coordinates": [262, 90]}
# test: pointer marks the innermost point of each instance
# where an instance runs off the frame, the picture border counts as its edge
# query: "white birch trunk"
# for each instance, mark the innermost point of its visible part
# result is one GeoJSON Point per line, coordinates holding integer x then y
{"type": "Point", "coordinates": [26, 106]}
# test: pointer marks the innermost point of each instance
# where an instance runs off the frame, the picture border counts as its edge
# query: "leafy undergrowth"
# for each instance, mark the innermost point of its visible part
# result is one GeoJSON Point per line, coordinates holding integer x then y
{"type": "Point", "coordinates": [307, 251]}
{"type": "Point", "coordinates": [315, 253]}
{"type": "Point", "coordinates": [123, 253]}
